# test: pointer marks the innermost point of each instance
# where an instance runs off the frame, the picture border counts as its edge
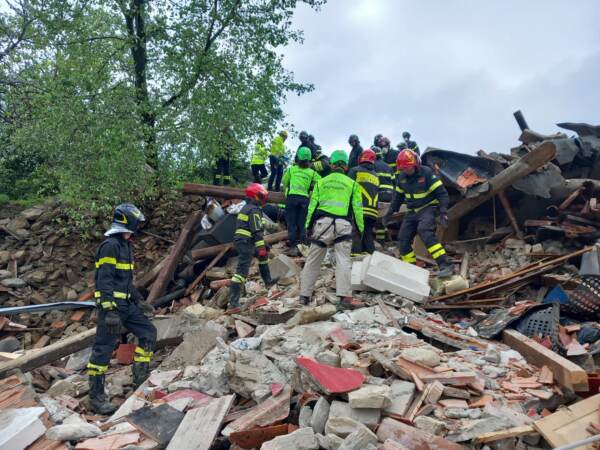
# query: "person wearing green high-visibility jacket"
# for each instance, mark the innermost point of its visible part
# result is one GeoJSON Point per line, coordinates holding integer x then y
{"type": "Point", "coordinates": [335, 203]}
{"type": "Point", "coordinates": [257, 163]}
{"type": "Point", "coordinates": [298, 182]}
{"type": "Point", "coordinates": [277, 152]}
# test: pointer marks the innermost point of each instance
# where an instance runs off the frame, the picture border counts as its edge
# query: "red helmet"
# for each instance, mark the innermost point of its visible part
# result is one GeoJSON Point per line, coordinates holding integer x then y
{"type": "Point", "coordinates": [407, 159]}
{"type": "Point", "coordinates": [367, 155]}
{"type": "Point", "coordinates": [255, 191]}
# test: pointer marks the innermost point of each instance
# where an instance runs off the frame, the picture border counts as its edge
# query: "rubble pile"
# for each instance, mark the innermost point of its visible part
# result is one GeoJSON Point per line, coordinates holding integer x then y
{"type": "Point", "coordinates": [502, 355]}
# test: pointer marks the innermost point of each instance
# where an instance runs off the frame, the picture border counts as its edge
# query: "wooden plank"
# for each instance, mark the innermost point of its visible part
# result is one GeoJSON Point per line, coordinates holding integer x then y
{"type": "Point", "coordinates": [569, 424]}
{"type": "Point", "coordinates": [452, 379]}
{"type": "Point", "coordinates": [212, 264]}
{"type": "Point", "coordinates": [159, 287]}
{"type": "Point", "coordinates": [504, 434]}
{"type": "Point", "coordinates": [227, 192]}
{"type": "Point", "coordinates": [565, 372]}
{"type": "Point", "coordinates": [200, 426]}
{"type": "Point", "coordinates": [50, 353]}
{"type": "Point", "coordinates": [207, 252]}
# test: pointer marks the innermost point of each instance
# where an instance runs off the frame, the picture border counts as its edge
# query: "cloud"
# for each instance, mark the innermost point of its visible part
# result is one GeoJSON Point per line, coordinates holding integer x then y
{"type": "Point", "coordinates": [450, 72]}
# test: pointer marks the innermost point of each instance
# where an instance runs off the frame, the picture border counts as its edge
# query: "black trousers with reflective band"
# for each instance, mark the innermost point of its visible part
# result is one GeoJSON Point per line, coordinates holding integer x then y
{"type": "Point", "coordinates": [296, 209]}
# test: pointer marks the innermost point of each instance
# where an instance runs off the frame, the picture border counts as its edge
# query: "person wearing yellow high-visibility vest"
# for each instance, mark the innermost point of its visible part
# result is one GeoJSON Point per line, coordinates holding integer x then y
{"type": "Point", "coordinates": [427, 200]}
{"type": "Point", "coordinates": [334, 204]}
{"type": "Point", "coordinates": [277, 152]}
{"type": "Point", "coordinates": [257, 163]}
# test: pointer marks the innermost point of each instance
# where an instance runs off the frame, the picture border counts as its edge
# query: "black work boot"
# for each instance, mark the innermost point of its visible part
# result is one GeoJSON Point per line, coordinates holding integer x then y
{"type": "Point", "coordinates": [141, 371]}
{"type": "Point", "coordinates": [235, 290]}
{"type": "Point", "coordinates": [445, 267]}
{"type": "Point", "coordinates": [265, 274]}
{"type": "Point", "coordinates": [98, 401]}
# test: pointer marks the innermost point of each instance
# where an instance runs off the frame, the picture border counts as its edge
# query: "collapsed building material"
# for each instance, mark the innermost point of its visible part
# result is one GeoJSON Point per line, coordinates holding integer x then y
{"type": "Point", "coordinates": [214, 250]}
{"type": "Point", "coordinates": [226, 192]}
{"type": "Point", "coordinates": [212, 264]}
{"type": "Point", "coordinates": [330, 380]}
{"type": "Point", "coordinates": [165, 276]}
{"type": "Point", "coordinates": [565, 372]}
{"type": "Point", "coordinates": [412, 438]}
{"type": "Point", "coordinates": [57, 306]}
{"type": "Point", "coordinates": [20, 427]}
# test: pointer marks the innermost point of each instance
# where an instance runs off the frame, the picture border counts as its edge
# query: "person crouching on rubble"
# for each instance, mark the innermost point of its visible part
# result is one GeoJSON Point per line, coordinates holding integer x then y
{"type": "Point", "coordinates": [298, 182]}
{"type": "Point", "coordinates": [335, 200]}
{"type": "Point", "coordinates": [426, 199]}
{"type": "Point", "coordinates": [119, 303]}
{"type": "Point", "coordinates": [248, 240]}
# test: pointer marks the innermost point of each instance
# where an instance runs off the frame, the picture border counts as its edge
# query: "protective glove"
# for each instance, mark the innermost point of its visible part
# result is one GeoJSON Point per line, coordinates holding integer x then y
{"type": "Point", "coordinates": [262, 252]}
{"type": "Point", "coordinates": [113, 322]}
{"type": "Point", "coordinates": [444, 220]}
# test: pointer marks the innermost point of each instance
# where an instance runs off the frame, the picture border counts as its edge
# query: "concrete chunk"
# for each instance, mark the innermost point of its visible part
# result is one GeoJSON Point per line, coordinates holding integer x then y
{"type": "Point", "coordinates": [359, 440]}
{"type": "Point", "coordinates": [320, 415]}
{"type": "Point", "coordinates": [283, 266]}
{"type": "Point", "coordinates": [20, 427]}
{"type": "Point", "coordinates": [370, 396]}
{"type": "Point", "coordinates": [401, 394]}
{"type": "Point", "coordinates": [301, 439]}
{"type": "Point", "coordinates": [330, 441]}
{"type": "Point", "coordinates": [342, 426]}
{"type": "Point", "coordinates": [366, 416]}
{"type": "Point", "coordinates": [386, 273]}
{"type": "Point", "coordinates": [423, 356]}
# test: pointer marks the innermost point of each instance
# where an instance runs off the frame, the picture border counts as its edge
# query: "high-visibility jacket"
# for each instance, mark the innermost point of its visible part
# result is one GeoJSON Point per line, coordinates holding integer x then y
{"type": "Point", "coordinates": [277, 147]}
{"type": "Point", "coordinates": [411, 145]}
{"type": "Point", "coordinates": [249, 224]}
{"type": "Point", "coordinates": [386, 177]}
{"type": "Point", "coordinates": [336, 195]}
{"type": "Point", "coordinates": [365, 176]}
{"type": "Point", "coordinates": [299, 181]}
{"type": "Point", "coordinates": [419, 190]}
{"type": "Point", "coordinates": [260, 155]}
{"type": "Point", "coordinates": [114, 273]}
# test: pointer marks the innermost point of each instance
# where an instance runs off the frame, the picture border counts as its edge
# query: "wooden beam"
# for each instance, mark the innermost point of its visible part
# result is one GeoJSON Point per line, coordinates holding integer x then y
{"type": "Point", "coordinates": [504, 434]}
{"type": "Point", "coordinates": [226, 192]}
{"type": "Point", "coordinates": [212, 264]}
{"type": "Point", "coordinates": [207, 252]}
{"type": "Point", "coordinates": [565, 372]}
{"type": "Point", "coordinates": [159, 287]}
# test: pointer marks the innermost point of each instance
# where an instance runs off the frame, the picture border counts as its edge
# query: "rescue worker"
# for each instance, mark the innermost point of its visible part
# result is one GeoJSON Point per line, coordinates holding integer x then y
{"type": "Point", "coordinates": [386, 189]}
{"type": "Point", "coordinates": [426, 199]}
{"type": "Point", "coordinates": [118, 303]}
{"type": "Point", "coordinates": [408, 144]}
{"type": "Point", "coordinates": [377, 140]}
{"type": "Point", "coordinates": [321, 164]}
{"type": "Point", "coordinates": [248, 240]}
{"type": "Point", "coordinates": [355, 151]}
{"type": "Point", "coordinates": [298, 182]}
{"type": "Point", "coordinates": [390, 154]}
{"type": "Point", "coordinates": [366, 177]}
{"type": "Point", "coordinates": [303, 136]}
{"type": "Point", "coordinates": [257, 163]}
{"type": "Point", "coordinates": [277, 152]}
{"type": "Point", "coordinates": [223, 171]}
{"type": "Point", "coordinates": [334, 204]}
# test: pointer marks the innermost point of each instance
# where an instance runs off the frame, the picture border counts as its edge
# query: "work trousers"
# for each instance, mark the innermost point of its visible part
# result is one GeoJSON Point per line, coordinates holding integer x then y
{"type": "Point", "coordinates": [296, 208]}
{"type": "Point", "coordinates": [366, 242]}
{"type": "Point", "coordinates": [246, 250]}
{"type": "Point", "coordinates": [259, 171]}
{"type": "Point", "coordinates": [423, 224]}
{"type": "Point", "coordinates": [223, 172]}
{"type": "Point", "coordinates": [327, 232]}
{"type": "Point", "coordinates": [276, 173]}
{"type": "Point", "coordinates": [134, 320]}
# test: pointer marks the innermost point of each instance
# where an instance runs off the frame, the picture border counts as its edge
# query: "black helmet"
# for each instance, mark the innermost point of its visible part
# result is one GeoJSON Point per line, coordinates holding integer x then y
{"type": "Point", "coordinates": [406, 135]}
{"type": "Point", "coordinates": [303, 136]}
{"type": "Point", "coordinates": [126, 219]}
{"type": "Point", "coordinates": [376, 139]}
{"type": "Point", "coordinates": [353, 139]}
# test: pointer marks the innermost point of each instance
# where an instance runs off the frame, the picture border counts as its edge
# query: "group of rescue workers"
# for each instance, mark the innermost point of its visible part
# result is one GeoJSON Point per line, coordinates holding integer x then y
{"type": "Point", "coordinates": [329, 202]}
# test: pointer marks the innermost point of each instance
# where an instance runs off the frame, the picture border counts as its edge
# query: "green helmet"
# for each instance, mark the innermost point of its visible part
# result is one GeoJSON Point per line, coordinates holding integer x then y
{"type": "Point", "coordinates": [339, 157]}
{"type": "Point", "coordinates": [304, 154]}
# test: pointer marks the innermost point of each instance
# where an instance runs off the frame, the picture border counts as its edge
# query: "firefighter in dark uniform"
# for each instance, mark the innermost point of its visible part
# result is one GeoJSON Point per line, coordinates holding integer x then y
{"type": "Point", "coordinates": [118, 304]}
{"type": "Point", "coordinates": [366, 177]}
{"type": "Point", "coordinates": [408, 144]}
{"type": "Point", "coordinates": [389, 154]}
{"type": "Point", "coordinates": [386, 189]}
{"type": "Point", "coordinates": [248, 240]}
{"type": "Point", "coordinates": [355, 151]}
{"type": "Point", "coordinates": [320, 163]}
{"type": "Point", "coordinates": [223, 171]}
{"type": "Point", "coordinates": [427, 200]}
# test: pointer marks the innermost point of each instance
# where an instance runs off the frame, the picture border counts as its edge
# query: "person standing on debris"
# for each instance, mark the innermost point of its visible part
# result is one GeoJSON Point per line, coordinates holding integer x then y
{"type": "Point", "coordinates": [366, 177]}
{"type": "Point", "coordinates": [223, 171]}
{"type": "Point", "coordinates": [118, 304]}
{"type": "Point", "coordinates": [335, 201]}
{"type": "Point", "coordinates": [386, 189]}
{"type": "Point", "coordinates": [426, 199]}
{"type": "Point", "coordinates": [277, 151]}
{"type": "Point", "coordinates": [355, 151]}
{"type": "Point", "coordinates": [298, 182]}
{"type": "Point", "coordinates": [257, 163]}
{"type": "Point", "coordinates": [408, 144]}
{"type": "Point", "coordinates": [390, 154]}
{"type": "Point", "coordinates": [248, 240]}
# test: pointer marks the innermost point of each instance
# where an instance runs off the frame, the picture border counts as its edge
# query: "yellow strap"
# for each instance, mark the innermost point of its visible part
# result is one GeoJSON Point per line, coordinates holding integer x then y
{"type": "Point", "coordinates": [260, 243]}
{"type": "Point", "coordinates": [122, 295]}
{"type": "Point", "coordinates": [432, 202]}
{"type": "Point", "coordinates": [434, 247]}
{"type": "Point", "coordinates": [108, 305]}
{"type": "Point", "coordinates": [238, 278]}
{"type": "Point", "coordinates": [242, 217]}
{"type": "Point", "coordinates": [242, 232]}
{"type": "Point", "coordinates": [124, 266]}
{"type": "Point", "coordinates": [439, 253]}
{"type": "Point", "coordinates": [398, 189]}
{"type": "Point", "coordinates": [106, 260]}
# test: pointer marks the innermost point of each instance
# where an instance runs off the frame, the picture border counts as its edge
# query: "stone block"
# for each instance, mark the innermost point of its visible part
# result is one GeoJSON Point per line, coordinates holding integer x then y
{"type": "Point", "coordinates": [401, 395]}
{"type": "Point", "coordinates": [320, 415]}
{"type": "Point", "coordinates": [366, 416]}
{"type": "Point", "coordinates": [283, 267]}
{"type": "Point", "coordinates": [430, 425]}
{"type": "Point", "coordinates": [301, 439]}
{"type": "Point", "coordinates": [386, 273]}
{"type": "Point", "coordinates": [20, 427]}
{"type": "Point", "coordinates": [359, 439]}
{"type": "Point", "coordinates": [342, 426]}
{"type": "Point", "coordinates": [423, 356]}
{"type": "Point", "coordinates": [370, 396]}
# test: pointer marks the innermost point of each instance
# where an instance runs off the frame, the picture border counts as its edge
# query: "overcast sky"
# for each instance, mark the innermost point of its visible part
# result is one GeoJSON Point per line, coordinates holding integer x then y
{"type": "Point", "coordinates": [450, 72]}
